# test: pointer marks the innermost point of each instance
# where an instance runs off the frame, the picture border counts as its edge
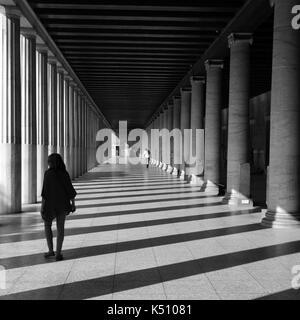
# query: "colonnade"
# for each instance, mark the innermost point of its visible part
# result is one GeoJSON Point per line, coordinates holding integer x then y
{"type": "Point", "coordinates": [43, 110]}
{"type": "Point", "coordinates": [187, 112]}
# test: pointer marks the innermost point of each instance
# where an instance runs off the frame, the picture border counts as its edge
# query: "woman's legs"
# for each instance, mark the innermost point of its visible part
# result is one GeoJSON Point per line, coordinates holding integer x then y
{"type": "Point", "coordinates": [49, 235]}
{"type": "Point", "coordinates": [60, 224]}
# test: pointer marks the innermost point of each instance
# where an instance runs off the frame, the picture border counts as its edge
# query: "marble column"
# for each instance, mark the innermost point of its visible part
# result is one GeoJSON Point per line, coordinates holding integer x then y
{"type": "Point", "coordinates": [67, 114]}
{"type": "Point", "coordinates": [75, 131]}
{"type": "Point", "coordinates": [29, 119]}
{"type": "Point", "coordinates": [177, 140]}
{"type": "Point", "coordinates": [197, 122]}
{"type": "Point", "coordinates": [165, 140]}
{"type": "Point", "coordinates": [52, 103]}
{"type": "Point", "coordinates": [78, 134]}
{"type": "Point", "coordinates": [214, 80]}
{"type": "Point", "coordinates": [60, 111]}
{"type": "Point", "coordinates": [185, 123]}
{"type": "Point", "coordinates": [10, 116]}
{"type": "Point", "coordinates": [283, 189]}
{"type": "Point", "coordinates": [238, 167]}
{"type": "Point", "coordinates": [83, 136]}
{"type": "Point", "coordinates": [161, 126]}
{"type": "Point", "coordinates": [42, 115]}
{"type": "Point", "coordinates": [171, 140]}
{"type": "Point", "coordinates": [154, 146]}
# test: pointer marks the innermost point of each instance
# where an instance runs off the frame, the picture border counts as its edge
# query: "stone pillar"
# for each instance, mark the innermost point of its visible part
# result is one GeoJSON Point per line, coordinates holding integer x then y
{"type": "Point", "coordinates": [84, 136]}
{"type": "Point", "coordinates": [52, 103]}
{"type": "Point", "coordinates": [177, 140]}
{"type": "Point", "coordinates": [29, 123]}
{"type": "Point", "coordinates": [154, 146]}
{"type": "Point", "coordinates": [60, 111]}
{"type": "Point", "coordinates": [161, 125]}
{"type": "Point", "coordinates": [197, 122]}
{"type": "Point", "coordinates": [165, 142]}
{"type": "Point", "coordinates": [185, 123]}
{"type": "Point", "coordinates": [170, 128]}
{"type": "Point", "coordinates": [67, 114]}
{"type": "Point", "coordinates": [10, 115]}
{"type": "Point", "coordinates": [283, 198]}
{"type": "Point", "coordinates": [79, 133]}
{"type": "Point", "coordinates": [213, 125]}
{"type": "Point", "coordinates": [238, 168]}
{"type": "Point", "coordinates": [42, 115]}
{"type": "Point", "coordinates": [75, 132]}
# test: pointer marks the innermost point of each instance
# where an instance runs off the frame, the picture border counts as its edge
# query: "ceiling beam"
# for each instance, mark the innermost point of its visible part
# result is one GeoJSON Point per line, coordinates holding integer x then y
{"type": "Point", "coordinates": [249, 17]}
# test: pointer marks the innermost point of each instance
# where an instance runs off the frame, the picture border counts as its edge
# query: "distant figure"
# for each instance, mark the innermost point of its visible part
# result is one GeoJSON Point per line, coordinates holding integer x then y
{"type": "Point", "coordinates": [58, 200]}
{"type": "Point", "coordinates": [147, 156]}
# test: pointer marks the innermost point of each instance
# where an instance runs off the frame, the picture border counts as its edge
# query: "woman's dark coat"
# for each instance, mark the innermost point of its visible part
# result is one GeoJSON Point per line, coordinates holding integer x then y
{"type": "Point", "coordinates": [57, 192]}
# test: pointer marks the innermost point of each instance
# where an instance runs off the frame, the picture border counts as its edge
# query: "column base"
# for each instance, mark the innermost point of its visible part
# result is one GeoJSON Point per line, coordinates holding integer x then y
{"type": "Point", "coordinates": [210, 188]}
{"type": "Point", "coordinates": [281, 219]}
{"type": "Point", "coordinates": [164, 167]}
{"type": "Point", "coordinates": [170, 169]}
{"type": "Point", "coordinates": [183, 176]}
{"type": "Point", "coordinates": [236, 199]}
{"type": "Point", "coordinates": [29, 173]}
{"type": "Point", "coordinates": [175, 172]}
{"type": "Point", "coordinates": [42, 166]}
{"type": "Point", "coordinates": [10, 178]}
{"type": "Point", "coordinates": [196, 180]}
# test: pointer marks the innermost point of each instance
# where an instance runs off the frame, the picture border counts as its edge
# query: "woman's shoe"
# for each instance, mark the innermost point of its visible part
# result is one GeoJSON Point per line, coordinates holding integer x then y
{"type": "Point", "coordinates": [59, 257]}
{"type": "Point", "coordinates": [49, 254]}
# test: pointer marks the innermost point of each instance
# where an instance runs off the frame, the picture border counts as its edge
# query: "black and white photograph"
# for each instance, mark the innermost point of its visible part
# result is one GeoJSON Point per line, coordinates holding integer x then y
{"type": "Point", "coordinates": [149, 153]}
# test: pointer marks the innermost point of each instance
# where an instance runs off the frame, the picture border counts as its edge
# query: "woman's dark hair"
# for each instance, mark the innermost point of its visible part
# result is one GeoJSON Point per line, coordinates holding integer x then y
{"type": "Point", "coordinates": [56, 162]}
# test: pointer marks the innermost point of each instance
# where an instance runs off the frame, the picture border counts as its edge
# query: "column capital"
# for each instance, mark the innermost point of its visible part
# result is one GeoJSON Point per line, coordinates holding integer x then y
{"type": "Point", "coordinates": [52, 60]}
{"type": "Point", "coordinates": [62, 70]}
{"type": "Point", "coordinates": [28, 32]}
{"type": "Point", "coordinates": [197, 79]}
{"type": "Point", "coordinates": [214, 63]}
{"type": "Point", "coordinates": [10, 11]}
{"type": "Point", "coordinates": [73, 83]}
{"type": "Point", "coordinates": [42, 48]}
{"type": "Point", "coordinates": [235, 38]}
{"type": "Point", "coordinates": [68, 78]}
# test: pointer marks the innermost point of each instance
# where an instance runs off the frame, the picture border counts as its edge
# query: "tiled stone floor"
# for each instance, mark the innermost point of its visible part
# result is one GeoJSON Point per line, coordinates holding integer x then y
{"type": "Point", "coordinates": [143, 234]}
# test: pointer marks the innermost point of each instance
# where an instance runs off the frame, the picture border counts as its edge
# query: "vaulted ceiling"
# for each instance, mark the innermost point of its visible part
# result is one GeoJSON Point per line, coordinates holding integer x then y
{"type": "Point", "coordinates": [131, 54]}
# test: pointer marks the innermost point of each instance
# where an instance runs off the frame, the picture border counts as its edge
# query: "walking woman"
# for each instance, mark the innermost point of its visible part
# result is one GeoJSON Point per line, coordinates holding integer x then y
{"type": "Point", "coordinates": [58, 200]}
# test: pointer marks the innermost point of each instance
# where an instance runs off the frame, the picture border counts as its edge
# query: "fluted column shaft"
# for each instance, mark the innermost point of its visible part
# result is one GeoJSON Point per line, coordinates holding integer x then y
{"type": "Point", "coordinates": [185, 123]}
{"type": "Point", "coordinates": [177, 141]}
{"type": "Point", "coordinates": [238, 119]}
{"type": "Point", "coordinates": [75, 130]}
{"type": "Point", "coordinates": [60, 112]}
{"type": "Point", "coordinates": [67, 137]}
{"type": "Point", "coordinates": [283, 189]}
{"type": "Point", "coordinates": [10, 115]}
{"type": "Point", "coordinates": [197, 122]}
{"type": "Point", "coordinates": [52, 104]}
{"type": "Point", "coordinates": [29, 123]}
{"type": "Point", "coordinates": [42, 116]}
{"type": "Point", "coordinates": [214, 74]}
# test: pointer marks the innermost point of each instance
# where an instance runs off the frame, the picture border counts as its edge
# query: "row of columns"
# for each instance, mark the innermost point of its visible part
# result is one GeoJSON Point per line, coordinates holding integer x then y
{"type": "Point", "coordinates": [189, 111]}
{"type": "Point", "coordinates": [43, 111]}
